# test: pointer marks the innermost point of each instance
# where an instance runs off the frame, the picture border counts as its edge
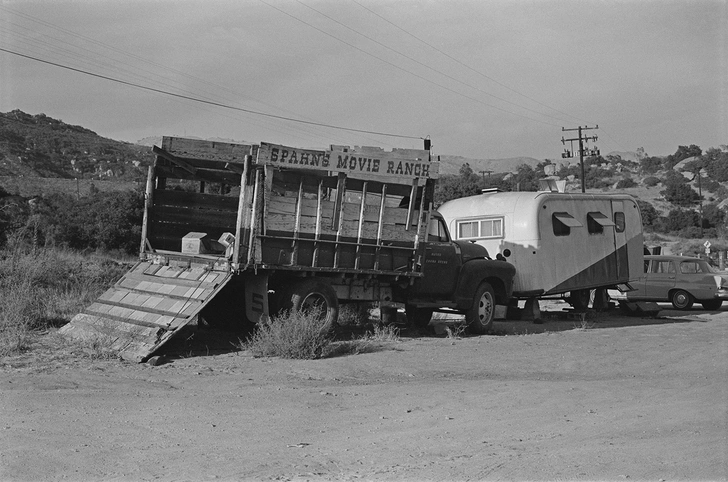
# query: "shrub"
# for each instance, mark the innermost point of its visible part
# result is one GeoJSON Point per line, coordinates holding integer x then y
{"type": "Point", "coordinates": [651, 181]}
{"type": "Point", "coordinates": [290, 334]}
{"type": "Point", "coordinates": [625, 183]}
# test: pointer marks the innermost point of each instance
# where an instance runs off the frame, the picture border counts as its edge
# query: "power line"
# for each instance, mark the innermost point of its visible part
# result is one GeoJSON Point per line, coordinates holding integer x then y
{"type": "Point", "coordinates": [116, 66]}
{"type": "Point", "coordinates": [405, 70]}
{"type": "Point", "coordinates": [462, 63]}
{"type": "Point", "coordinates": [425, 65]}
{"type": "Point", "coordinates": [202, 101]}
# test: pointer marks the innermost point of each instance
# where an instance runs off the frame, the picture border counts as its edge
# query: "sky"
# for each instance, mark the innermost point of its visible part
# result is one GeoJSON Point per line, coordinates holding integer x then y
{"type": "Point", "coordinates": [484, 79]}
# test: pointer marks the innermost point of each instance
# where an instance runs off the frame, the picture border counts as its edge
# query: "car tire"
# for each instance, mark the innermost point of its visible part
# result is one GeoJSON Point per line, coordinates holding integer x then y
{"type": "Point", "coordinates": [479, 317]}
{"type": "Point", "coordinates": [682, 300]}
{"type": "Point", "coordinates": [712, 305]}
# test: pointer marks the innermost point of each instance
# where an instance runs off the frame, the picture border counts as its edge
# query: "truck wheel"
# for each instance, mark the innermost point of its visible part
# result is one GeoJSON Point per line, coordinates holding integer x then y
{"type": "Point", "coordinates": [419, 317]}
{"type": "Point", "coordinates": [682, 300]}
{"type": "Point", "coordinates": [712, 305]}
{"type": "Point", "coordinates": [313, 294]}
{"type": "Point", "coordinates": [479, 317]}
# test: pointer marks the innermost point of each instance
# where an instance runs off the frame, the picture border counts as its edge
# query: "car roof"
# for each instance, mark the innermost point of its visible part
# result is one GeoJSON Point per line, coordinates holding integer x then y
{"type": "Point", "coordinates": [672, 257]}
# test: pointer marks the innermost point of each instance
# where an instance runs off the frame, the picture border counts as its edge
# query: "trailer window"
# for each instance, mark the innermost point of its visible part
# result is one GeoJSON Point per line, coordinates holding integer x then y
{"type": "Point", "coordinates": [480, 228]}
{"type": "Point", "coordinates": [619, 223]}
{"type": "Point", "coordinates": [468, 229]}
{"type": "Point", "coordinates": [562, 223]}
{"type": "Point", "coordinates": [596, 222]}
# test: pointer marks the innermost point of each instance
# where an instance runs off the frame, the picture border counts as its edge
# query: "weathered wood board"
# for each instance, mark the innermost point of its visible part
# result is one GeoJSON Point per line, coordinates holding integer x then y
{"type": "Point", "coordinates": [146, 307]}
{"type": "Point", "coordinates": [397, 166]}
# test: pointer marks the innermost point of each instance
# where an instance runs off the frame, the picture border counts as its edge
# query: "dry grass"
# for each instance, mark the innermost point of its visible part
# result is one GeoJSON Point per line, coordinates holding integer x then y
{"type": "Point", "coordinates": [289, 334]}
{"type": "Point", "coordinates": [42, 289]}
{"type": "Point", "coordinates": [298, 335]}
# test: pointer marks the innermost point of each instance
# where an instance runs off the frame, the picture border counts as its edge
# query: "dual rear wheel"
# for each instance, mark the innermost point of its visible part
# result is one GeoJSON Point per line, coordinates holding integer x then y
{"type": "Point", "coordinates": [312, 295]}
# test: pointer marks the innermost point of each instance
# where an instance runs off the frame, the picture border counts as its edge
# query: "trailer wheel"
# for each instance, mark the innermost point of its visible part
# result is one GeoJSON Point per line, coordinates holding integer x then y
{"type": "Point", "coordinates": [712, 305]}
{"type": "Point", "coordinates": [313, 294]}
{"type": "Point", "coordinates": [682, 300]}
{"type": "Point", "coordinates": [479, 317]}
{"type": "Point", "coordinates": [579, 299]}
{"type": "Point", "coordinates": [419, 317]}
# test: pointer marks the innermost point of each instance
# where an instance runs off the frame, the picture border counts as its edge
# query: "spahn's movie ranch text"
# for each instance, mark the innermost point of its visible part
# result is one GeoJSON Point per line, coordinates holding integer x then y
{"type": "Point", "coordinates": [358, 161]}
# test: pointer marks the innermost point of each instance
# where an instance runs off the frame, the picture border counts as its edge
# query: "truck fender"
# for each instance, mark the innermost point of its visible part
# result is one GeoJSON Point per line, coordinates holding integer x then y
{"type": "Point", "coordinates": [498, 273]}
{"type": "Point", "coordinates": [256, 296]}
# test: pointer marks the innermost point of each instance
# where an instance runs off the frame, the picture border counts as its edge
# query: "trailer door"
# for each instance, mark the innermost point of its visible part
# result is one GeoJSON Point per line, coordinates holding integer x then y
{"type": "Point", "coordinates": [620, 240]}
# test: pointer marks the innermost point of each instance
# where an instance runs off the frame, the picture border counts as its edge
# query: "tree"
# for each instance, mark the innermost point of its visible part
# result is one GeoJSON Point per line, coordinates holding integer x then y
{"type": "Point", "coordinates": [715, 162]}
{"type": "Point", "coordinates": [679, 219]}
{"type": "Point", "coordinates": [713, 216]}
{"type": "Point", "coordinates": [680, 194]}
{"type": "Point", "coordinates": [648, 212]}
{"type": "Point", "coordinates": [683, 152]}
{"type": "Point", "coordinates": [453, 187]}
{"type": "Point", "coordinates": [650, 165]}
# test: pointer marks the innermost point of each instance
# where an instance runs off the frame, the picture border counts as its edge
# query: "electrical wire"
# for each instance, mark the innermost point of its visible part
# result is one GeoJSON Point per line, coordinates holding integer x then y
{"type": "Point", "coordinates": [403, 69]}
{"type": "Point", "coordinates": [217, 104]}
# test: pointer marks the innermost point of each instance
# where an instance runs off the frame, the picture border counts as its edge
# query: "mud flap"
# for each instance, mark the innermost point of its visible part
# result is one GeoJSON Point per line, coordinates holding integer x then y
{"type": "Point", "coordinates": [256, 297]}
{"type": "Point", "coordinates": [146, 307]}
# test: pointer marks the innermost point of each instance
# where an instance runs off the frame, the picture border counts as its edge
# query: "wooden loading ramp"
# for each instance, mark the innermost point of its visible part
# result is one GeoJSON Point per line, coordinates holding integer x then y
{"type": "Point", "coordinates": [146, 307]}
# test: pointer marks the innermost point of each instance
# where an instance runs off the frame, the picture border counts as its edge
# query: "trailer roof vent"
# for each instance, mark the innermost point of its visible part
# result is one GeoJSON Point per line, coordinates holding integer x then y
{"type": "Point", "coordinates": [551, 185]}
{"type": "Point", "coordinates": [490, 190]}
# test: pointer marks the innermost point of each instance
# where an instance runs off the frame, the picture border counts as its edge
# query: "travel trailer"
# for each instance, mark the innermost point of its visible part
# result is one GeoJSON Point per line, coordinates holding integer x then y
{"type": "Point", "coordinates": [565, 244]}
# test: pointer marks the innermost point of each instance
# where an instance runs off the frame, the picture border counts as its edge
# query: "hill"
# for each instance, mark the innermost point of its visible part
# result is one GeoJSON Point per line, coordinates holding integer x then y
{"type": "Point", "coordinates": [40, 146]}
{"type": "Point", "coordinates": [452, 164]}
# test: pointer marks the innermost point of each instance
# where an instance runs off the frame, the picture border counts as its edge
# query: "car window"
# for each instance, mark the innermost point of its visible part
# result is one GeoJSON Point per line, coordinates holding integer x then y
{"type": "Point", "coordinates": [690, 267]}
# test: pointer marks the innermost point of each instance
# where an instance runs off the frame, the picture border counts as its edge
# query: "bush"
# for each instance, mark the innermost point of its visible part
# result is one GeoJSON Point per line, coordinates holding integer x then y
{"type": "Point", "coordinates": [290, 334]}
{"type": "Point", "coordinates": [651, 181]}
{"type": "Point", "coordinates": [625, 183]}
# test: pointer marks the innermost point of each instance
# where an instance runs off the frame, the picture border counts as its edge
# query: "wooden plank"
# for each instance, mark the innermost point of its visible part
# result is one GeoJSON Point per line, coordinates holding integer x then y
{"type": "Point", "coordinates": [194, 216]}
{"type": "Point", "coordinates": [201, 174]}
{"type": "Point", "coordinates": [165, 197]}
{"type": "Point", "coordinates": [224, 152]}
{"type": "Point", "coordinates": [317, 229]}
{"type": "Point", "coordinates": [169, 281]}
{"type": "Point", "coordinates": [241, 214]}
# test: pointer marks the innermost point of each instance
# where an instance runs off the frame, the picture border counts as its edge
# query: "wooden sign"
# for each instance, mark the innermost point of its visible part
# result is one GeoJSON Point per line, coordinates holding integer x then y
{"type": "Point", "coordinates": [398, 165]}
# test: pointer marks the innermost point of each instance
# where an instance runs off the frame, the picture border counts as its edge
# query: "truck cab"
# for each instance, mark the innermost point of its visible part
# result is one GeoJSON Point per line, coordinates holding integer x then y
{"type": "Point", "coordinates": [459, 276]}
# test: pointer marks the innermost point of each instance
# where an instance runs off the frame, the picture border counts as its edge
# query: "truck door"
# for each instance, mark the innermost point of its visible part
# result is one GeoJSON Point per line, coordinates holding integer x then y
{"type": "Point", "coordinates": [441, 264]}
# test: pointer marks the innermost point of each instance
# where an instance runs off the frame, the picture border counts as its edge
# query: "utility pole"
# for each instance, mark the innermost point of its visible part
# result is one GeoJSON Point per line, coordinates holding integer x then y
{"type": "Point", "coordinates": [570, 152]}
{"type": "Point", "coordinates": [483, 174]}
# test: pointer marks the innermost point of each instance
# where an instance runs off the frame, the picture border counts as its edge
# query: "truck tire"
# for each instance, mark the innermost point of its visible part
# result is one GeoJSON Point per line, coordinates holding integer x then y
{"type": "Point", "coordinates": [479, 317]}
{"type": "Point", "coordinates": [313, 294]}
{"type": "Point", "coordinates": [682, 300]}
{"type": "Point", "coordinates": [418, 317]}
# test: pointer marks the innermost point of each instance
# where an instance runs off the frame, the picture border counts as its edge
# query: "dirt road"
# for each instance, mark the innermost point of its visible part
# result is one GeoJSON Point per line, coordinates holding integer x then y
{"type": "Point", "coordinates": [624, 399]}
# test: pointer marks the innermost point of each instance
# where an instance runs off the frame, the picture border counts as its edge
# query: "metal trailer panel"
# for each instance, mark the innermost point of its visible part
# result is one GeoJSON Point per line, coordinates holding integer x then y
{"type": "Point", "coordinates": [546, 263]}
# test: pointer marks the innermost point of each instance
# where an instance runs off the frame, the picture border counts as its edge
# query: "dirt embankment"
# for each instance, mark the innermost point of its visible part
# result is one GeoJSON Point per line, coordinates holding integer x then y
{"type": "Point", "coordinates": [623, 399]}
